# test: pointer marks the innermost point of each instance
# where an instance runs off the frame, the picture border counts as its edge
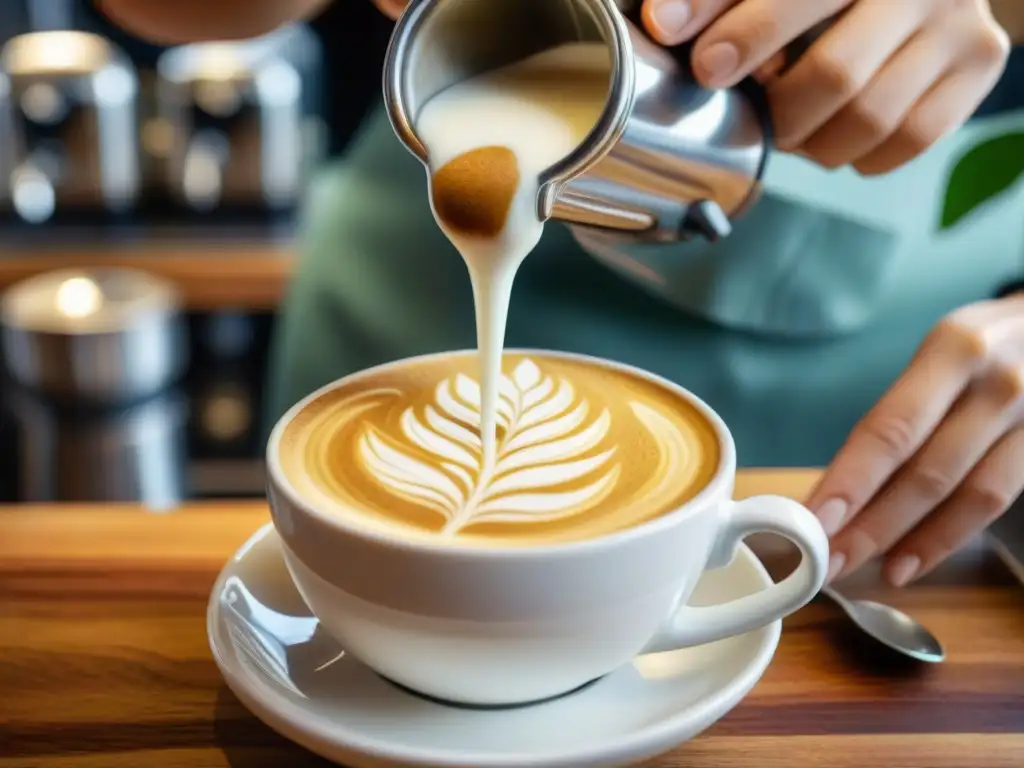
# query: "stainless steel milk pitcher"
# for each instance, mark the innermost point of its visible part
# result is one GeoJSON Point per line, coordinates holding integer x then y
{"type": "Point", "coordinates": [667, 160]}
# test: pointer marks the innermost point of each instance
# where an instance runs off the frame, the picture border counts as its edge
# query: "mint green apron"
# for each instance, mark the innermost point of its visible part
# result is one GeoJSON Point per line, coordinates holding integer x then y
{"type": "Point", "coordinates": [790, 329]}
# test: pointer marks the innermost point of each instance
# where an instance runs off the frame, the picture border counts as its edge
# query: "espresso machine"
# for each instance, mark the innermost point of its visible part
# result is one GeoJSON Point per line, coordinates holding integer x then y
{"type": "Point", "coordinates": [237, 122]}
{"type": "Point", "coordinates": [68, 123]}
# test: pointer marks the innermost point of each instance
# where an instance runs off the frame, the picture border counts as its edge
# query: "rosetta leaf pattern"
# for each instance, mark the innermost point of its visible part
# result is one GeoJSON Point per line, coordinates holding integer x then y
{"type": "Point", "coordinates": [549, 462]}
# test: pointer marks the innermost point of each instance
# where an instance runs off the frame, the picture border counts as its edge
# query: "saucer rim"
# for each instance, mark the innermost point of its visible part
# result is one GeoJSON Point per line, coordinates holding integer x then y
{"type": "Point", "coordinates": [324, 737]}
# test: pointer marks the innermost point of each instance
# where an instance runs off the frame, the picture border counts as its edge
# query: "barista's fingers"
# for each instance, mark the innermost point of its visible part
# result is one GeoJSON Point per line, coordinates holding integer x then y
{"type": "Point", "coordinates": [770, 69]}
{"type": "Point", "coordinates": [751, 33]}
{"type": "Point", "coordinates": [672, 22]}
{"type": "Point", "coordinates": [983, 497]}
{"type": "Point", "coordinates": [989, 409]}
{"type": "Point", "coordinates": [839, 65]}
{"type": "Point", "coordinates": [945, 108]}
{"type": "Point", "coordinates": [896, 427]}
{"type": "Point", "coordinates": [882, 107]}
{"type": "Point", "coordinates": [391, 8]}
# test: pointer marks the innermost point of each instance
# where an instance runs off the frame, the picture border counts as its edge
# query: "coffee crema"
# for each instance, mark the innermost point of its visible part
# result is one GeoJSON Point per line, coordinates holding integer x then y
{"type": "Point", "coordinates": [582, 451]}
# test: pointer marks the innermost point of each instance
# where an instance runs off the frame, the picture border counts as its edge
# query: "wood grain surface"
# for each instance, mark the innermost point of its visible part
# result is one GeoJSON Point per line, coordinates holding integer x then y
{"type": "Point", "coordinates": [1010, 13]}
{"type": "Point", "coordinates": [209, 274]}
{"type": "Point", "coordinates": [104, 662]}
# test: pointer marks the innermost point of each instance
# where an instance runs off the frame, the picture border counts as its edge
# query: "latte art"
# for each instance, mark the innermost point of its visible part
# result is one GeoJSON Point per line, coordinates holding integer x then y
{"type": "Point", "coordinates": [552, 460]}
{"type": "Point", "coordinates": [580, 451]}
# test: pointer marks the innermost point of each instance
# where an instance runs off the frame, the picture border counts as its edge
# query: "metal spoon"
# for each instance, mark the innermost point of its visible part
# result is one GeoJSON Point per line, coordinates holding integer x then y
{"type": "Point", "coordinates": [890, 627]}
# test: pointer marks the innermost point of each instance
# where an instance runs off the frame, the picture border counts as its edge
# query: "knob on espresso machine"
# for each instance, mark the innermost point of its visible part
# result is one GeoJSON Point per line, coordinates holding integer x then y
{"type": "Point", "coordinates": [67, 126]}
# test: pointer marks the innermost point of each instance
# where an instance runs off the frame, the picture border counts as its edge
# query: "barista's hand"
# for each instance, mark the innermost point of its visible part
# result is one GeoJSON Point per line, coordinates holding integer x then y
{"type": "Point", "coordinates": [941, 454]}
{"type": "Point", "coordinates": [883, 84]}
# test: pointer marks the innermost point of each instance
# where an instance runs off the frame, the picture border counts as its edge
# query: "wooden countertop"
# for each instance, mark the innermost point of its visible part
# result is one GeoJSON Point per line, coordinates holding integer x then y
{"type": "Point", "coordinates": [211, 274]}
{"type": "Point", "coordinates": [1010, 13]}
{"type": "Point", "coordinates": [104, 662]}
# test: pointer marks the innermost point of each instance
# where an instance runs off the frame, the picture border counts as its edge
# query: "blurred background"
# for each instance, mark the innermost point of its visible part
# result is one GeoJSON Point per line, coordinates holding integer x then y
{"type": "Point", "coordinates": [147, 214]}
{"type": "Point", "coordinates": [184, 166]}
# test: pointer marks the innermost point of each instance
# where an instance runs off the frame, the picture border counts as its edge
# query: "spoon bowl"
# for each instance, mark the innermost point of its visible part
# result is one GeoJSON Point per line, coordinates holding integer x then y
{"type": "Point", "coordinates": [891, 627]}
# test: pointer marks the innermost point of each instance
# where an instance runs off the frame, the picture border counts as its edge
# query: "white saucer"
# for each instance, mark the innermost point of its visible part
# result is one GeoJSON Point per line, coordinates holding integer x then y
{"type": "Point", "coordinates": [298, 681]}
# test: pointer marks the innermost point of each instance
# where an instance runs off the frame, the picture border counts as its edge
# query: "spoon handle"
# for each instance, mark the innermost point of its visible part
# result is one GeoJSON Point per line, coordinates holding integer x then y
{"type": "Point", "coordinates": [837, 598]}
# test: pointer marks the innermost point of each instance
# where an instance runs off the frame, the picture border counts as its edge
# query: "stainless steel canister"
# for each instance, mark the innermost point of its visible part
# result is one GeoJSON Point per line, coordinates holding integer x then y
{"type": "Point", "coordinates": [93, 357]}
{"type": "Point", "coordinates": [135, 453]}
{"type": "Point", "coordinates": [238, 119]}
{"type": "Point", "coordinates": [97, 335]}
{"type": "Point", "coordinates": [667, 160]}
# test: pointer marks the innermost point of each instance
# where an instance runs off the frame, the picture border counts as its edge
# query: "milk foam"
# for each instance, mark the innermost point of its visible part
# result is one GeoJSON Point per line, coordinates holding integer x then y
{"type": "Point", "coordinates": [541, 108]}
{"type": "Point", "coordinates": [550, 441]}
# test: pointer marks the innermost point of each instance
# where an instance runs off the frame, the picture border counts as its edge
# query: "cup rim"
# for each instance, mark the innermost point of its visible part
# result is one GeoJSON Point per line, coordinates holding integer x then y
{"type": "Point", "coordinates": [720, 480]}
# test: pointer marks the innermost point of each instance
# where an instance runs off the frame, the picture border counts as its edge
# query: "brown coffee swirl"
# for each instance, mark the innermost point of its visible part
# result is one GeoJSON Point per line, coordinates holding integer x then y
{"type": "Point", "coordinates": [582, 451]}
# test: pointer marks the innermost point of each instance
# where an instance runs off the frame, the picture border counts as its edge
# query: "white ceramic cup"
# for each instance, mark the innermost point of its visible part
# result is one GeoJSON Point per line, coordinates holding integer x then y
{"type": "Point", "coordinates": [494, 626]}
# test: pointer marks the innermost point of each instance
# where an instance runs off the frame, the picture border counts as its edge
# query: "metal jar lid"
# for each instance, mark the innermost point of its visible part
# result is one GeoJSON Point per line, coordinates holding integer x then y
{"type": "Point", "coordinates": [107, 334]}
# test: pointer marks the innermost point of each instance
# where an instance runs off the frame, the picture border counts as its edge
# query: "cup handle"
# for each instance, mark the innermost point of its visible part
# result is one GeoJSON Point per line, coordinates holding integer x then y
{"type": "Point", "coordinates": [689, 625]}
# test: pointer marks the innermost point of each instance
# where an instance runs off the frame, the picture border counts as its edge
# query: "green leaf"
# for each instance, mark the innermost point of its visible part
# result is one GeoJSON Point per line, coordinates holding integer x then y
{"type": "Point", "coordinates": [986, 170]}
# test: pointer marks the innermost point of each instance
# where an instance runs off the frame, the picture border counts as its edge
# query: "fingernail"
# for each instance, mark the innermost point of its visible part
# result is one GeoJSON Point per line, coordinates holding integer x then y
{"type": "Point", "coordinates": [903, 569]}
{"type": "Point", "coordinates": [835, 566]}
{"type": "Point", "coordinates": [719, 61]}
{"type": "Point", "coordinates": [831, 515]}
{"type": "Point", "coordinates": [672, 16]}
